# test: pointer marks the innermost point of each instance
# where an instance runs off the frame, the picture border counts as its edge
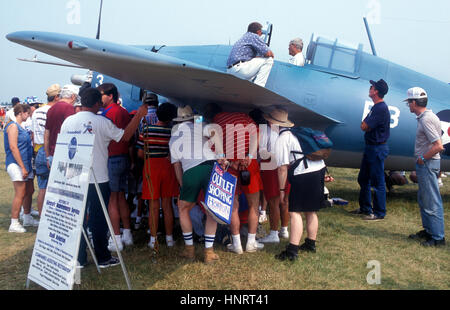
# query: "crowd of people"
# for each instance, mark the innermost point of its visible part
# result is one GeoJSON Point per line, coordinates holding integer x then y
{"type": "Point", "coordinates": [157, 155]}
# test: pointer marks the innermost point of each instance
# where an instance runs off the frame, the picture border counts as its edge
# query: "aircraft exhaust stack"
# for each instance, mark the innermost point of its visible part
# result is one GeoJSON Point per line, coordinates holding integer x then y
{"type": "Point", "coordinates": [79, 79]}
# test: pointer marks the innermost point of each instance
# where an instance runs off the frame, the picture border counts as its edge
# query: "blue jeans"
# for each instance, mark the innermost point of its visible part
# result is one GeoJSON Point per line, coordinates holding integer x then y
{"type": "Point", "coordinates": [42, 171]}
{"type": "Point", "coordinates": [429, 198]}
{"type": "Point", "coordinates": [97, 224]}
{"type": "Point", "coordinates": [371, 174]}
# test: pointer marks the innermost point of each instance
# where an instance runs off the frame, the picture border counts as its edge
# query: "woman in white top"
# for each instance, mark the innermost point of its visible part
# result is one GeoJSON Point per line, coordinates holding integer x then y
{"type": "Point", "coordinates": [307, 182]}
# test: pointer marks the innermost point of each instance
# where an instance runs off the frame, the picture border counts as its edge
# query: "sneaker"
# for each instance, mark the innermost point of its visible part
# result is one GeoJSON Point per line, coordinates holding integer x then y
{"type": "Point", "coordinates": [433, 242]}
{"type": "Point", "coordinates": [34, 212]}
{"type": "Point", "coordinates": [262, 218]}
{"type": "Point", "coordinates": [372, 217]}
{"type": "Point", "coordinates": [284, 234]}
{"type": "Point", "coordinates": [254, 246]}
{"type": "Point", "coordinates": [188, 252]}
{"type": "Point", "coordinates": [151, 244]}
{"type": "Point", "coordinates": [420, 235]}
{"type": "Point", "coordinates": [16, 228]}
{"type": "Point", "coordinates": [210, 256]}
{"type": "Point", "coordinates": [112, 245]}
{"type": "Point", "coordinates": [30, 221]}
{"type": "Point", "coordinates": [113, 261]}
{"type": "Point", "coordinates": [169, 242]}
{"type": "Point", "coordinates": [127, 239]}
{"type": "Point", "coordinates": [358, 212]}
{"type": "Point", "coordinates": [270, 238]}
{"type": "Point", "coordinates": [308, 246]}
{"type": "Point", "coordinates": [287, 255]}
{"type": "Point", "coordinates": [232, 248]}
{"type": "Point", "coordinates": [137, 226]}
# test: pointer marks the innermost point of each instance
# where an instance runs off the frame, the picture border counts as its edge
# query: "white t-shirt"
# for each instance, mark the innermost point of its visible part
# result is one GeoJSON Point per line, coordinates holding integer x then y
{"type": "Point", "coordinates": [298, 60]}
{"type": "Point", "coordinates": [38, 119]}
{"type": "Point", "coordinates": [10, 116]}
{"type": "Point", "coordinates": [285, 144]}
{"type": "Point", "coordinates": [190, 145]}
{"type": "Point", "coordinates": [267, 139]}
{"type": "Point", "coordinates": [85, 122]}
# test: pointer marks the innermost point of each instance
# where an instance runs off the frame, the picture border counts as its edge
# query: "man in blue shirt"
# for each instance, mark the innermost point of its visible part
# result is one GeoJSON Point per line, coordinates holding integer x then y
{"type": "Point", "coordinates": [376, 126]}
{"type": "Point", "coordinates": [250, 58]}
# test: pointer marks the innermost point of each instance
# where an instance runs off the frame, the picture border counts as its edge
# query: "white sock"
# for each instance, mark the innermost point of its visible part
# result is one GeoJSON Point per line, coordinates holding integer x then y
{"type": "Point", "coordinates": [27, 216]}
{"type": "Point", "coordinates": [126, 231]}
{"type": "Point", "coordinates": [209, 241]}
{"type": "Point", "coordinates": [284, 229]}
{"type": "Point", "coordinates": [169, 238]}
{"type": "Point", "coordinates": [188, 238]}
{"type": "Point", "coordinates": [236, 240]}
{"type": "Point", "coordinates": [14, 221]}
{"type": "Point", "coordinates": [262, 212]}
{"type": "Point", "coordinates": [274, 232]}
{"type": "Point", "coordinates": [152, 240]}
{"type": "Point", "coordinates": [118, 238]}
{"type": "Point", "coordinates": [251, 238]}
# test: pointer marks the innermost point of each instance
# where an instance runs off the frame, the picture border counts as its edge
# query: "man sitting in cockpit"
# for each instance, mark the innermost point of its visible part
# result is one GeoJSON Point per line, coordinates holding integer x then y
{"type": "Point", "coordinates": [250, 58]}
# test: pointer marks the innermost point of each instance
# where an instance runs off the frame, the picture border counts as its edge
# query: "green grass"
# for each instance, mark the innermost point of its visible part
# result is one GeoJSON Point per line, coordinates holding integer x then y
{"type": "Point", "coordinates": [345, 245]}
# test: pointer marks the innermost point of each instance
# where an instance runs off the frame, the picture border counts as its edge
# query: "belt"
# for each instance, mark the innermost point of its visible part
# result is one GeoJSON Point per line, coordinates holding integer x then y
{"type": "Point", "coordinates": [375, 143]}
{"type": "Point", "coordinates": [236, 63]}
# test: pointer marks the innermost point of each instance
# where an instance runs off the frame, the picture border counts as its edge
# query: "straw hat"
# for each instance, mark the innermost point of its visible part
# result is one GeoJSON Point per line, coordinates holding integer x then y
{"type": "Point", "coordinates": [279, 117]}
{"type": "Point", "coordinates": [184, 114]}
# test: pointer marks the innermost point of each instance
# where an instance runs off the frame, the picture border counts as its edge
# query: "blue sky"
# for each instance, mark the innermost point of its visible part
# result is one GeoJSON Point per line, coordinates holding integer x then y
{"type": "Point", "coordinates": [411, 33]}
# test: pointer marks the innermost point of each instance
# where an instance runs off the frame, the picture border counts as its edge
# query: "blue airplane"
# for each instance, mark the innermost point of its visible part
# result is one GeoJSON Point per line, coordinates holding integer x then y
{"type": "Point", "coordinates": [329, 93]}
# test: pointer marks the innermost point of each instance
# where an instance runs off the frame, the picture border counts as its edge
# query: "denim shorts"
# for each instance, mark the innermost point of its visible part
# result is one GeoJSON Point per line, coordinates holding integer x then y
{"type": "Point", "coordinates": [118, 167]}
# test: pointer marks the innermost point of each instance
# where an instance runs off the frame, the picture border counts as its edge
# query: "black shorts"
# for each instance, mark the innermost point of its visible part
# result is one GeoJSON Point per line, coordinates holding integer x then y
{"type": "Point", "coordinates": [307, 192]}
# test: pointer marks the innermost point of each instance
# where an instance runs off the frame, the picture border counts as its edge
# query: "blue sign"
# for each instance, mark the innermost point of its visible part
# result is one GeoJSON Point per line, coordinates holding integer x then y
{"type": "Point", "coordinates": [220, 194]}
{"type": "Point", "coordinates": [72, 148]}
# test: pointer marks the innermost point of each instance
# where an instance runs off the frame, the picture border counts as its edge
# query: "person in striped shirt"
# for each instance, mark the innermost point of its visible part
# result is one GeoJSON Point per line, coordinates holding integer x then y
{"type": "Point", "coordinates": [240, 142]}
{"type": "Point", "coordinates": [159, 180]}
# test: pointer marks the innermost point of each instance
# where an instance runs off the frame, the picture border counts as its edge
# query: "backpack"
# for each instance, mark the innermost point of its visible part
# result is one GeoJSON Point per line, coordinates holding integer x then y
{"type": "Point", "coordinates": [314, 143]}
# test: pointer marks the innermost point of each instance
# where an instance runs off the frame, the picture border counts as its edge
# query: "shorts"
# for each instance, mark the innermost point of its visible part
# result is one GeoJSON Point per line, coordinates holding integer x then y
{"type": "Point", "coordinates": [256, 183]}
{"type": "Point", "coordinates": [163, 182]}
{"type": "Point", "coordinates": [15, 173]}
{"type": "Point", "coordinates": [196, 179]}
{"type": "Point", "coordinates": [307, 192]}
{"type": "Point", "coordinates": [271, 184]}
{"type": "Point", "coordinates": [118, 167]}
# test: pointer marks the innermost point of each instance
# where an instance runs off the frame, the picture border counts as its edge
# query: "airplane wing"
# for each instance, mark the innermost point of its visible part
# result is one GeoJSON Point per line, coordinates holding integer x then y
{"type": "Point", "coordinates": [168, 76]}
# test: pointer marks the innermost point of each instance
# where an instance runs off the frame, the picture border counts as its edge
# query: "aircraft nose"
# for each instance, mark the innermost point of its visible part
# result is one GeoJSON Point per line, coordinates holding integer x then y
{"type": "Point", "coordinates": [19, 36]}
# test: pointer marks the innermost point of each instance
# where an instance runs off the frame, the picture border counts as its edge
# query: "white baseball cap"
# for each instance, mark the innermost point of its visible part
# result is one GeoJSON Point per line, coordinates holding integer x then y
{"type": "Point", "coordinates": [416, 93]}
{"type": "Point", "coordinates": [72, 88]}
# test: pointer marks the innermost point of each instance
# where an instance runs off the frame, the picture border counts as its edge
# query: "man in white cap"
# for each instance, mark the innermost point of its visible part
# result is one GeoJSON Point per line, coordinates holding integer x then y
{"type": "Point", "coordinates": [427, 147]}
{"type": "Point", "coordinates": [193, 170]}
{"type": "Point", "coordinates": [56, 116]}
{"type": "Point", "coordinates": [39, 119]}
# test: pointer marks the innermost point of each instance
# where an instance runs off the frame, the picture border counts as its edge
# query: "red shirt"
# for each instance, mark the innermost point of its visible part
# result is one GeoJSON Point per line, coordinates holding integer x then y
{"type": "Point", "coordinates": [55, 117]}
{"type": "Point", "coordinates": [120, 117]}
{"type": "Point", "coordinates": [238, 139]}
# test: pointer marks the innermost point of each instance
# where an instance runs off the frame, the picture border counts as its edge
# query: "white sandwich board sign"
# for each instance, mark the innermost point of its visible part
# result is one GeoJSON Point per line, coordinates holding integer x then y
{"type": "Point", "coordinates": [55, 252]}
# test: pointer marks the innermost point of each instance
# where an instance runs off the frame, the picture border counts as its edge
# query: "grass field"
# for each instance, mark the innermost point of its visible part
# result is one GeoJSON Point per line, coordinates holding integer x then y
{"type": "Point", "coordinates": [345, 246]}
